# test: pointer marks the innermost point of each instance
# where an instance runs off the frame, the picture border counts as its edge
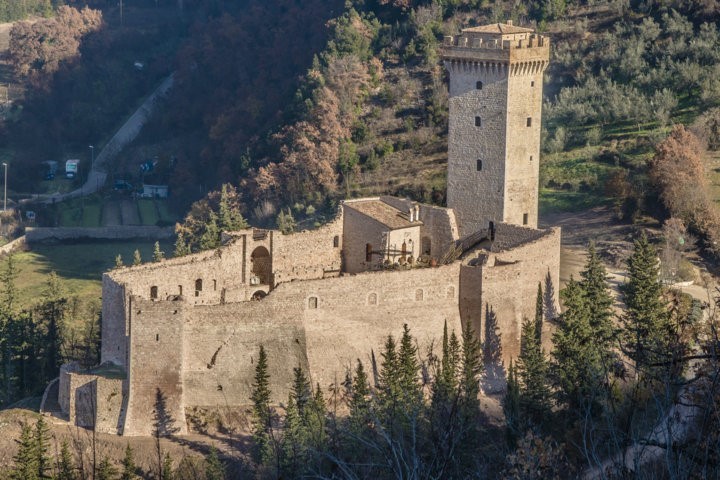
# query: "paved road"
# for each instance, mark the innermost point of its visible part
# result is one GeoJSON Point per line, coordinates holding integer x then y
{"type": "Point", "coordinates": [126, 134]}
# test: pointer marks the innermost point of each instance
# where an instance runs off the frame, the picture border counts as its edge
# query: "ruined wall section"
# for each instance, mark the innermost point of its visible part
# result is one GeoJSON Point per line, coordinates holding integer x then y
{"type": "Point", "coordinates": [156, 352]}
{"type": "Point", "coordinates": [476, 195]}
{"type": "Point", "coordinates": [114, 329]}
{"type": "Point", "coordinates": [309, 255]}
{"type": "Point", "coordinates": [109, 394]}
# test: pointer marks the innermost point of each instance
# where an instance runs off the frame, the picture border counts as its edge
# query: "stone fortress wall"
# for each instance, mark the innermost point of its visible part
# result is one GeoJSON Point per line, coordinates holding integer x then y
{"type": "Point", "coordinates": [185, 332]}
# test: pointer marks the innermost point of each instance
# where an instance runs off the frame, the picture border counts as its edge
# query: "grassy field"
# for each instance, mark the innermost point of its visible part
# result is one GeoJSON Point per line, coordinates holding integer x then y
{"type": "Point", "coordinates": [88, 212]}
{"type": "Point", "coordinates": [79, 265]}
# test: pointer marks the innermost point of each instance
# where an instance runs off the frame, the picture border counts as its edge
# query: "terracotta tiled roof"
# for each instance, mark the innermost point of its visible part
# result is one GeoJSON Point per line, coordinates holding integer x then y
{"type": "Point", "coordinates": [499, 28]}
{"type": "Point", "coordinates": [380, 211]}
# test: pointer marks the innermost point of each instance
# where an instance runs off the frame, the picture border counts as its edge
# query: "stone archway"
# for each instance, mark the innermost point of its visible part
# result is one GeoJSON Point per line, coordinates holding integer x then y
{"type": "Point", "coordinates": [261, 265]}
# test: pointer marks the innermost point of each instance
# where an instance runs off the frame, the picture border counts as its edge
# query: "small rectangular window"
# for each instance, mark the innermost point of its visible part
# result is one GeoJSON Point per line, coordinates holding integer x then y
{"type": "Point", "coordinates": [478, 85]}
{"type": "Point", "coordinates": [531, 158]}
{"type": "Point", "coordinates": [478, 122]}
{"type": "Point", "coordinates": [532, 83]}
{"type": "Point", "coordinates": [479, 165]}
{"type": "Point", "coordinates": [529, 121]}
{"type": "Point", "coordinates": [525, 218]}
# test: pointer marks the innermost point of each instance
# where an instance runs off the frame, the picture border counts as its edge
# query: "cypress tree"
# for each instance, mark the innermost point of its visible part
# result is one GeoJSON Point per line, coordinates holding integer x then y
{"type": "Point", "coordinates": [167, 468]}
{"type": "Point", "coordinates": [137, 259]}
{"type": "Point", "coordinates": [470, 375]}
{"type": "Point", "coordinates": [594, 284]}
{"type": "Point", "coordinates": [511, 405]}
{"type": "Point", "coordinates": [214, 467]}
{"type": "Point", "coordinates": [229, 216]}
{"type": "Point", "coordinates": [119, 261]}
{"type": "Point", "coordinates": [41, 448]}
{"type": "Point", "coordinates": [66, 464]}
{"type": "Point", "coordinates": [532, 375]}
{"type": "Point", "coordinates": [181, 245]}
{"type": "Point", "coordinates": [129, 471]}
{"type": "Point", "coordinates": [295, 438]}
{"type": "Point", "coordinates": [389, 382]}
{"type": "Point", "coordinates": [262, 412]}
{"type": "Point", "coordinates": [211, 236]}
{"type": "Point", "coordinates": [158, 254]}
{"type": "Point", "coordinates": [539, 313]}
{"type": "Point", "coordinates": [409, 369]}
{"type": "Point", "coordinates": [578, 365]}
{"type": "Point", "coordinates": [26, 460]}
{"type": "Point", "coordinates": [360, 403]}
{"type": "Point", "coordinates": [646, 323]}
{"type": "Point", "coordinates": [106, 470]}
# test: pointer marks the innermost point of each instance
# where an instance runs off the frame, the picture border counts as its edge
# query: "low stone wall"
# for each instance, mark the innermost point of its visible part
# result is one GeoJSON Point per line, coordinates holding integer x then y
{"type": "Point", "coordinates": [16, 244]}
{"type": "Point", "coordinates": [101, 233]}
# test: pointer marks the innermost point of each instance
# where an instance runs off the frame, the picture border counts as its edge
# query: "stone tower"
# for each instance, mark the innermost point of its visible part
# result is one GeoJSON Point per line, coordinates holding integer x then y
{"type": "Point", "coordinates": [496, 80]}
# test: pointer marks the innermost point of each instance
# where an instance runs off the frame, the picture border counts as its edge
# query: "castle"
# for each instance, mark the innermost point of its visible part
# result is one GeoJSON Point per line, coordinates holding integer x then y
{"type": "Point", "coordinates": [189, 328]}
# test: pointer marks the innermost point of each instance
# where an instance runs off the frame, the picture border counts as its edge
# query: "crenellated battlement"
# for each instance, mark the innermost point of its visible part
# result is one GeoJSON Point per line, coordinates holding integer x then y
{"type": "Point", "coordinates": [498, 43]}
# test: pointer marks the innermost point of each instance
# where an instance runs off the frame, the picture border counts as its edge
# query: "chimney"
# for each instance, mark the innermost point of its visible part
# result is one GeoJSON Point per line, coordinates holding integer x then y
{"type": "Point", "coordinates": [417, 213]}
{"type": "Point", "coordinates": [411, 213]}
{"type": "Point", "coordinates": [509, 22]}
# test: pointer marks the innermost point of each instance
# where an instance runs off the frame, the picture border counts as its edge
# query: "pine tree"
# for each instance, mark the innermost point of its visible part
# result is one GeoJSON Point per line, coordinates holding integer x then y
{"type": "Point", "coordinates": [409, 370]}
{"type": "Point", "coordinates": [295, 438]}
{"type": "Point", "coordinates": [229, 217]}
{"type": "Point", "coordinates": [360, 403]}
{"type": "Point", "coordinates": [7, 279]}
{"type": "Point", "coordinates": [181, 245]}
{"type": "Point", "coordinates": [129, 471]}
{"type": "Point", "coordinates": [445, 386]}
{"type": "Point", "coordinates": [137, 259]}
{"type": "Point", "coordinates": [646, 323]}
{"type": "Point", "coordinates": [26, 460]}
{"type": "Point", "coordinates": [511, 405]}
{"type": "Point", "coordinates": [214, 467]}
{"type": "Point", "coordinates": [578, 358]}
{"type": "Point", "coordinates": [211, 236]}
{"type": "Point", "coordinates": [167, 467]}
{"type": "Point", "coordinates": [262, 412]}
{"type": "Point", "coordinates": [106, 470]}
{"type": "Point", "coordinates": [594, 283]}
{"type": "Point", "coordinates": [158, 255]}
{"type": "Point", "coordinates": [470, 375]}
{"type": "Point", "coordinates": [41, 448]}
{"type": "Point", "coordinates": [532, 375]}
{"type": "Point", "coordinates": [389, 382]}
{"type": "Point", "coordinates": [119, 261]}
{"type": "Point", "coordinates": [286, 222]}
{"type": "Point", "coordinates": [66, 464]}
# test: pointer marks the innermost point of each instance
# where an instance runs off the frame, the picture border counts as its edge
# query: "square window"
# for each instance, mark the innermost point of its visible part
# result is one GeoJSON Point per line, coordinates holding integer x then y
{"type": "Point", "coordinates": [478, 122]}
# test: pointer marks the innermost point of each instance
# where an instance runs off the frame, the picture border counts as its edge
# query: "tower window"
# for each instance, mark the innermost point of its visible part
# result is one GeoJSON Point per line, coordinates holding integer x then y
{"type": "Point", "coordinates": [478, 85]}
{"type": "Point", "coordinates": [368, 252]}
{"type": "Point", "coordinates": [336, 241]}
{"type": "Point", "coordinates": [529, 121]}
{"type": "Point", "coordinates": [153, 292]}
{"type": "Point", "coordinates": [532, 83]}
{"type": "Point", "coordinates": [531, 158]}
{"type": "Point", "coordinates": [478, 122]}
{"type": "Point", "coordinates": [525, 218]}
{"type": "Point", "coordinates": [478, 165]}
{"type": "Point", "coordinates": [312, 302]}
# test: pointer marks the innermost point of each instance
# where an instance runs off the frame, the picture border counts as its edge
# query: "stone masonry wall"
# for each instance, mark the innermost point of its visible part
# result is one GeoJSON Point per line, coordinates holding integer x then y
{"type": "Point", "coordinates": [476, 196]}
{"type": "Point", "coordinates": [438, 226]}
{"type": "Point", "coordinates": [309, 255]}
{"type": "Point", "coordinates": [156, 366]}
{"type": "Point", "coordinates": [353, 316]}
{"type": "Point", "coordinates": [523, 146]}
{"type": "Point", "coordinates": [359, 230]}
{"type": "Point", "coordinates": [509, 287]}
